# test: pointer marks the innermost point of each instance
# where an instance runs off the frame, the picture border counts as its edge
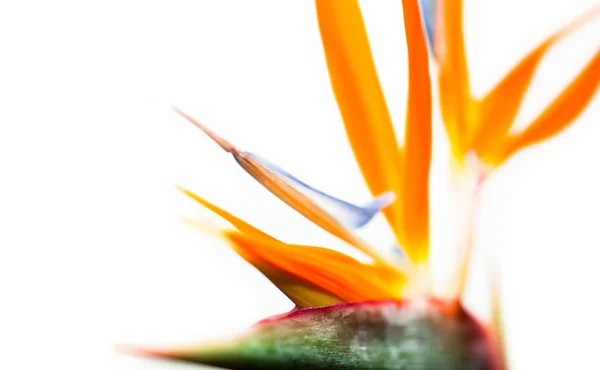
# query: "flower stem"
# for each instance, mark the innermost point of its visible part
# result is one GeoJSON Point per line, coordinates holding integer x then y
{"type": "Point", "coordinates": [467, 184]}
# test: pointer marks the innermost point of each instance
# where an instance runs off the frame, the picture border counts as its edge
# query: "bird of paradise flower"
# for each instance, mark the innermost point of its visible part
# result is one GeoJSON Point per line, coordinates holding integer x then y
{"type": "Point", "coordinates": [382, 314]}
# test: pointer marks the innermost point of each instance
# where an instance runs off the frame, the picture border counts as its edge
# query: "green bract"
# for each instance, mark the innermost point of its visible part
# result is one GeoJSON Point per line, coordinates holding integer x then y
{"type": "Point", "coordinates": [413, 334]}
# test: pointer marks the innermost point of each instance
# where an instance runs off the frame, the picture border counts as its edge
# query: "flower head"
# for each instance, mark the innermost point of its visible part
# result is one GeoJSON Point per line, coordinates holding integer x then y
{"type": "Point", "coordinates": [380, 313]}
{"type": "Point", "coordinates": [481, 125]}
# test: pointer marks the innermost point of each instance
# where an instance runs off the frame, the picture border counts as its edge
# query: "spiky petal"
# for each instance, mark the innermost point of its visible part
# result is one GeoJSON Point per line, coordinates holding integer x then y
{"type": "Point", "coordinates": [349, 214]}
{"type": "Point", "coordinates": [481, 125]}
{"type": "Point", "coordinates": [309, 276]}
{"type": "Point", "coordinates": [279, 183]}
{"type": "Point", "coordinates": [360, 99]}
{"type": "Point", "coordinates": [496, 112]}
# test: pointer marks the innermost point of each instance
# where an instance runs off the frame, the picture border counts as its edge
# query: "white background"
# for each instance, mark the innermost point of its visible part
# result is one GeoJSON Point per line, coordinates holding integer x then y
{"type": "Point", "coordinates": [93, 248]}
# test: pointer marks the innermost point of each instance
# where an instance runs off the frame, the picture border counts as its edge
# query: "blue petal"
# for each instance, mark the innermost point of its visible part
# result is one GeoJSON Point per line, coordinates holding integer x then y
{"type": "Point", "coordinates": [429, 10]}
{"type": "Point", "coordinates": [347, 213]}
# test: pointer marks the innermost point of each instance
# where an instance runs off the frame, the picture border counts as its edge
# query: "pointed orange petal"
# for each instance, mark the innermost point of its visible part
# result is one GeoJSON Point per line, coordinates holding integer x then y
{"type": "Point", "coordinates": [224, 144]}
{"type": "Point", "coordinates": [332, 275]}
{"type": "Point", "coordinates": [302, 294]}
{"type": "Point", "coordinates": [239, 224]}
{"type": "Point", "coordinates": [497, 110]}
{"type": "Point", "coordinates": [288, 194]}
{"type": "Point", "coordinates": [455, 95]}
{"type": "Point", "coordinates": [309, 276]}
{"type": "Point", "coordinates": [417, 142]}
{"type": "Point", "coordinates": [562, 112]}
{"type": "Point", "coordinates": [360, 99]}
{"type": "Point", "coordinates": [303, 204]}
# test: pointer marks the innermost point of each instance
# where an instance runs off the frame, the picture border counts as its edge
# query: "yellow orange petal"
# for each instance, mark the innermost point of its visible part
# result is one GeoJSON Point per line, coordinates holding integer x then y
{"type": "Point", "coordinates": [288, 194]}
{"type": "Point", "coordinates": [497, 110]}
{"type": "Point", "coordinates": [302, 294]}
{"type": "Point", "coordinates": [454, 91]}
{"type": "Point", "coordinates": [558, 116]}
{"type": "Point", "coordinates": [303, 204]}
{"type": "Point", "coordinates": [309, 276]}
{"type": "Point", "coordinates": [312, 275]}
{"type": "Point", "coordinates": [565, 108]}
{"type": "Point", "coordinates": [360, 99]}
{"type": "Point", "coordinates": [239, 224]}
{"type": "Point", "coordinates": [417, 141]}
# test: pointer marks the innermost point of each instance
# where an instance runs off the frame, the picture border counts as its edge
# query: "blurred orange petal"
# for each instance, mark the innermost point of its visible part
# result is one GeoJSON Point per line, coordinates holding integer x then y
{"type": "Point", "coordinates": [360, 99]}
{"type": "Point", "coordinates": [309, 276]}
{"type": "Point", "coordinates": [417, 141]}
{"type": "Point", "coordinates": [313, 276]}
{"type": "Point", "coordinates": [561, 113]}
{"type": "Point", "coordinates": [288, 194]}
{"type": "Point", "coordinates": [498, 109]}
{"type": "Point", "coordinates": [455, 96]}
{"type": "Point", "coordinates": [239, 224]}
{"type": "Point", "coordinates": [367, 120]}
{"type": "Point", "coordinates": [302, 203]}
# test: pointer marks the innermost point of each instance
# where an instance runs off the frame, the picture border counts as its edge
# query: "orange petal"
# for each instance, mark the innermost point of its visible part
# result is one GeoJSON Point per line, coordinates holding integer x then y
{"type": "Point", "coordinates": [497, 110]}
{"type": "Point", "coordinates": [455, 96]}
{"type": "Point", "coordinates": [288, 194]}
{"type": "Point", "coordinates": [303, 204]}
{"type": "Point", "coordinates": [560, 114]}
{"type": "Point", "coordinates": [241, 225]}
{"type": "Point", "coordinates": [360, 99]}
{"type": "Point", "coordinates": [417, 142]}
{"type": "Point", "coordinates": [311, 276]}
{"type": "Point", "coordinates": [566, 107]}
{"type": "Point", "coordinates": [302, 294]}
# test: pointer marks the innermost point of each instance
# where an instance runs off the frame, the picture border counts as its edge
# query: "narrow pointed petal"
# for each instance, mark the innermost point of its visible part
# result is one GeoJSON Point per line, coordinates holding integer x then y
{"type": "Point", "coordinates": [303, 204]}
{"type": "Point", "coordinates": [360, 99]}
{"type": "Point", "coordinates": [349, 214]}
{"type": "Point", "coordinates": [558, 116]}
{"type": "Point", "coordinates": [224, 144]}
{"type": "Point", "coordinates": [367, 121]}
{"type": "Point", "coordinates": [565, 108]}
{"type": "Point", "coordinates": [312, 276]}
{"type": "Point", "coordinates": [291, 196]}
{"type": "Point", "coordinates": [419, 335]}
{"type": "Point", "coordinates": [455, 95]}
{"type": "Point", "coordinates": [417, 139]}
{"type": "Point", "coordinates": [309, 276]}
{"type": "Point", "coordinates": [239, 224]}
{"type": "Point", "coordinates": [498, 109]}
